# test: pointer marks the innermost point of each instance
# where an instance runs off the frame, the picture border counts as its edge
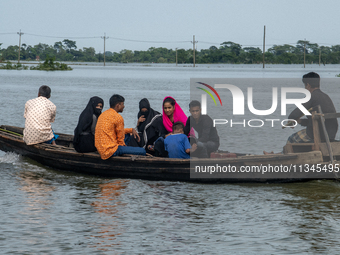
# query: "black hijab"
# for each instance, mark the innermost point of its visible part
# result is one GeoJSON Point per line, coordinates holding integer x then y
{"type": "Point", "coordinates": [144, 103]}
{"type": "Point", "coordinates": [152, 124]}
{"type": "Point", "coordinates": [86, 117]}
{"type": "Point", "coordinates": [148, 115]}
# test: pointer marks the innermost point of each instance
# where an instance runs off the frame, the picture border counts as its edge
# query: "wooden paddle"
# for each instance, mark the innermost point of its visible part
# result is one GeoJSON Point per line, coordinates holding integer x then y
{"type": "Point", "coordinates": [11, 132]}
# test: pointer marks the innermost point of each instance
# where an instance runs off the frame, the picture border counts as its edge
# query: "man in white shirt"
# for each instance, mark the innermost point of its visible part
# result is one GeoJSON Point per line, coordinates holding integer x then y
{"type": "Point", "coordinates": [39, 114]}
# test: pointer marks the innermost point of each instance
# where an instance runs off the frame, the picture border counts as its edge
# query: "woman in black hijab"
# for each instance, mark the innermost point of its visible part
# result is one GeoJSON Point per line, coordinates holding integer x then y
{"type": "Point", "coordinates": [149, 126]}
{"type": "Point", "coordinates": [83, 140]}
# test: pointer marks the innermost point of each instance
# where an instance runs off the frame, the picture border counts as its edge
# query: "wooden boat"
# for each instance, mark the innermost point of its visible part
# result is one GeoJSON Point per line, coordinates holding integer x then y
{"type": "Point", "coordinates": [64, 157]}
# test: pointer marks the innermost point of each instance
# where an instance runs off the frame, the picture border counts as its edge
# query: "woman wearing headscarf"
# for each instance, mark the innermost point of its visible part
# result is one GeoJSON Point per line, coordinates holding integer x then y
{"type": "Point", "coordinates": [149, 125]}
{"type": "Point", "coordinates": [172, 113]}
{"type": "Point", "coordinates": [83, 140]}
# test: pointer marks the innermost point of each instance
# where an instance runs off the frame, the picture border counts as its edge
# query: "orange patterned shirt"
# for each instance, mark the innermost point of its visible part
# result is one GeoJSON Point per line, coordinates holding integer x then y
{"type": "Point", "coordinates": [110, 133]}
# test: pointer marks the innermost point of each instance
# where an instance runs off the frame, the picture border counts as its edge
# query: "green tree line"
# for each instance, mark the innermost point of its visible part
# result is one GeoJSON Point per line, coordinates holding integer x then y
{"type": "Point", "coordinates": [228, 52]}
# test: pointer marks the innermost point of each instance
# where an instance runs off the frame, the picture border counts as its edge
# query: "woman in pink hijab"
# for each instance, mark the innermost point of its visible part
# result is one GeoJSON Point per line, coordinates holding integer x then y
{"type": "Point", "coordinates": [172, 113]}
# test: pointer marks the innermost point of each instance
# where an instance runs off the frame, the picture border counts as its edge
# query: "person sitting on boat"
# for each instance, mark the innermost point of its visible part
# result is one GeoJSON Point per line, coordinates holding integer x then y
{"type": "Point", "coordinates": [83, 140]}
{"type": "Point", "coordinates": [177, 143]}
{"type": "Point", "coordinates": [208, 140]}
{"type": "Point", "coordinates": [172, 113]}
{"type": "Point", "coordinates": [149, 126]}
{"type": "Point", "coordinates": [111, 137]}
{"type": "Point", "coordinates": [312, 84]}
{"type": "Point", "coordinates": [40, 112]}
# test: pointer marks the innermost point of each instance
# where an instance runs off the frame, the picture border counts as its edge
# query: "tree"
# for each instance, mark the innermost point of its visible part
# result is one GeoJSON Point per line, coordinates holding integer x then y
{"type": "Point", "coordinates": [58, 46]}
{"type": "Point", "coordinates": [161, 60]}
{"type": "Point", "coordinates": [233, 47]}
{"type": "Point", "coordinates": [182, 56]}
{"type": "Point", "coordinates": [313, 48]}
{"type": "Point", "coordinates": [300, 46]}
{"type": "Point", "coordinates": [127, 56]}
{"type": "Point", "coordinates": [335, 48]}
{"type": "Point", "coordinates": [70, 44]}
{"type": "Point", "coordinates": [11, 53]}
{"type": "Point", "coordinates": [144, 56]}
{"type": "Point", "coordinates": [213, 55]}
{"type": "Point", "coordinates": [252, 55]}
{"type": "Point", "coordinates": [108, 54]}
{"type": "Point", "coordinates": [30, 52]}
{"type": "Point", "coordinates": [89, 54]}
{"type": "Point", "coordinates": [281, 49]}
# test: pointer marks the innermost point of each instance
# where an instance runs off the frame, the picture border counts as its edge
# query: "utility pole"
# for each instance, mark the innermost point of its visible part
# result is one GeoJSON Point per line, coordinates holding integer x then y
{"type": "Point", "coordinates": [264, 43]}
{"type": "Point", "coordinates": [19, 33]}
{"type": "Point", "coordinates": [176, 56]}
{"type": "Point", "coordinates": [304, 54]}
{"type": "Point", "coordinates": [319, 55]}
{"type": "Point", "coordinates": [193, 49]}
{"type": "Point", "coordinates": [104, 37]}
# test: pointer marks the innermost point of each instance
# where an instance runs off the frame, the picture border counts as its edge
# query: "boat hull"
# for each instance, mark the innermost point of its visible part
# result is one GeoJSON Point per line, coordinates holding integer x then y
{"type": "Point", "coordinates": [65, 158]}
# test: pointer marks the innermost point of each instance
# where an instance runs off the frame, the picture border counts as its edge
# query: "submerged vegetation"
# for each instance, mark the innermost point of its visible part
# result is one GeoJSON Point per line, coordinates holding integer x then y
{"type": "Point", "coordinates": [10, 66]}
{"type": "Point", "coordinates": [50, 65]}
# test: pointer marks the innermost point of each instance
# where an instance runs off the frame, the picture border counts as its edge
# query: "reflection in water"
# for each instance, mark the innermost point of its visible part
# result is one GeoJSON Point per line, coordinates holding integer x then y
{"type": "Point", "coordinates": [108, 206]}
{"type": "Point", "coordinates": [37, 190]}
{"type": "Point", "coordinates": [35, 210]}
{"type": "Point", "coordinates": [74, 214]}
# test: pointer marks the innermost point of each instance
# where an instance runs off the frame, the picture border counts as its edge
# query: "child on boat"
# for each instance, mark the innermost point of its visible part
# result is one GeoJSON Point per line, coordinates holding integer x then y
{"type": "Point", "coordinates": [177, 144]}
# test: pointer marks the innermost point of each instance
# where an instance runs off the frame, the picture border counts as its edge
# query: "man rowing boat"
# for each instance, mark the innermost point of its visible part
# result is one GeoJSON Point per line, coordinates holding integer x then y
{"type": "Point", "coordinates": [312, 84]}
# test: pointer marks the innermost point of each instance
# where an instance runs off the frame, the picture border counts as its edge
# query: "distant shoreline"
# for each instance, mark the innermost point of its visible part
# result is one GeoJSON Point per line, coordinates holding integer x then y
{"type": "Point", "coordinates": [89, 63]}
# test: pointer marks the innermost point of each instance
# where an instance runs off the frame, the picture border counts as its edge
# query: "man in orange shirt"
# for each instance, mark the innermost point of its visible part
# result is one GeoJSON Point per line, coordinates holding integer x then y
{"type": "Point", "coordinates": [111, 137]}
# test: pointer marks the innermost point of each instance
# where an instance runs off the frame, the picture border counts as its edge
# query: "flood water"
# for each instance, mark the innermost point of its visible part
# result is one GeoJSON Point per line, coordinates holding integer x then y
{"type": "Point", "coordinates": [47, 211]}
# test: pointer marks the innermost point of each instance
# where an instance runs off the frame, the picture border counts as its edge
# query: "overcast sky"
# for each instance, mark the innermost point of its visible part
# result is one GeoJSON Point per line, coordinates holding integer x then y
{"type": "Point", "coordinates": [172, 22]}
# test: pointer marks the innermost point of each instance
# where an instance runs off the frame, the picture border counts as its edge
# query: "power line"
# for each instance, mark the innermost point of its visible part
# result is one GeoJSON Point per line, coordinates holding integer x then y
{"type": "Point", "coordinates": [131, 40]}
{"type": "Point", "coordinates": [114, 38]}
{"type": "Point", "coordinates": [149, 41]}
{"type": "Point", "coordinates": [68, 37]}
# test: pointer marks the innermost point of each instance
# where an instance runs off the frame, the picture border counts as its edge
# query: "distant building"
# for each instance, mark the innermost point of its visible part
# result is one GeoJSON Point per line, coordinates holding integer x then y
{"type": "Point", "coordinates": [37, 58]}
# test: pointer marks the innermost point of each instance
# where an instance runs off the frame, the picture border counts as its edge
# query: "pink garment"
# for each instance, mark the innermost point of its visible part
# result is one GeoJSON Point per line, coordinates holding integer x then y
{"type": "Point", "coordinates": [179, 115]}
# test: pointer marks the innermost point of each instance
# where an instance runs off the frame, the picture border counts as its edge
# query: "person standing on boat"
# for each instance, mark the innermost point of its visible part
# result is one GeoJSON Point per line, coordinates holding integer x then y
{"type": "Point", "coordinates": [39, 114]}
{"type": "Point", "coordinates": [83, 140]}
{"type": "Point", "coordinates": [111, 137]}
{"type": "Point", "coordinates": [208, 140]}
{"type": "Point", "coordinates": [149, 126]}
{"type": "Point", "coordinates": [312, 84]}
